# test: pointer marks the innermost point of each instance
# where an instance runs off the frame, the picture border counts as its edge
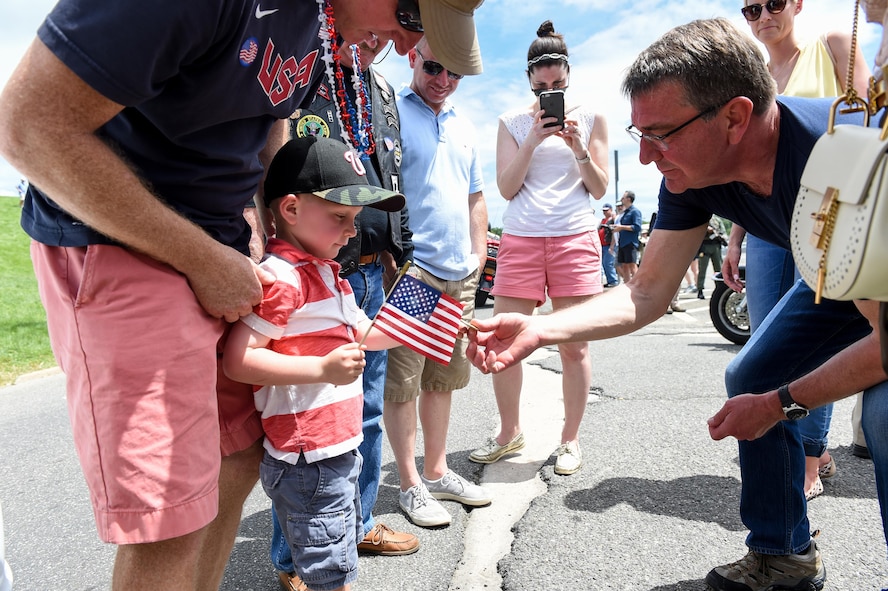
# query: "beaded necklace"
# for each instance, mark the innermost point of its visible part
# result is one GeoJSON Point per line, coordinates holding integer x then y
{"type": "Point", "coordinates": [355, 121]}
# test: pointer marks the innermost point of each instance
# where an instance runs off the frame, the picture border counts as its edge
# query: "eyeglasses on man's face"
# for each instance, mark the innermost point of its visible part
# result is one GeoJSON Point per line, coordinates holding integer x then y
{"type": "Point", "coordinates": [659, 141]}
{"type": "Point", "coordinates": [434, 68]}
{"type": "Point", "coordinates": [753, 12]}
{"type": "Point", "coordinates": [408, 17]}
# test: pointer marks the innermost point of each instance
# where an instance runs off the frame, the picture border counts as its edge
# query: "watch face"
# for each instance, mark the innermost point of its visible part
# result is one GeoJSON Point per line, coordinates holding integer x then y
{"type": "Point", "coordinates": [796, 414]}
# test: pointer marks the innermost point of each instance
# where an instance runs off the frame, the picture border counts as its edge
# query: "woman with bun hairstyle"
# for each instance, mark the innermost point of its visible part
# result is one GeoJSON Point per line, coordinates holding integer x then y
{"type": "Point", "coordinates": [549, 174]}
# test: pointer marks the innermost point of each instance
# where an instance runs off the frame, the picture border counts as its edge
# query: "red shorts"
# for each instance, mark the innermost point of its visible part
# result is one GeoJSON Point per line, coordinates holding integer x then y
{"type": "Point", "coordinates": [564, 266]}
{"type": "Point", "coordinates": [141, 361]}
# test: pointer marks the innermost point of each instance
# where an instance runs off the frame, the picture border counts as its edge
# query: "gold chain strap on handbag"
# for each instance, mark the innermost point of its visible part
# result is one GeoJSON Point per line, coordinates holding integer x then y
{"type": "Point", "coordinates": [825, 218]}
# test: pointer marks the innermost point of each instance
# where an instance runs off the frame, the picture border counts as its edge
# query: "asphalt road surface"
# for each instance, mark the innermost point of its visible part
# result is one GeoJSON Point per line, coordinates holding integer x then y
{"type": "Point", "coordinates": [654, 507]}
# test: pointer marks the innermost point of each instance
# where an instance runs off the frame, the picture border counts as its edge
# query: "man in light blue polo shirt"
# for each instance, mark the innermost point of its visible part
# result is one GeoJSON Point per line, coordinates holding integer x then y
{"type": "Point", "coordinates": [441, 177]}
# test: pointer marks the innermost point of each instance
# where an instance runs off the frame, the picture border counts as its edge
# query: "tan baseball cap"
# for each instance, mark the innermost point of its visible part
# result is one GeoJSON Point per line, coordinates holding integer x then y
{"type": "Point", "coordinates": [450, 31]}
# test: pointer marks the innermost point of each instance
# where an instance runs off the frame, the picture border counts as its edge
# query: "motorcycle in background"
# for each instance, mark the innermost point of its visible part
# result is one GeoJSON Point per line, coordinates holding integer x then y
{"type": "Point", "coordinates": [485, 283]}
{"type": "Point", "coordinates": [727, 309]}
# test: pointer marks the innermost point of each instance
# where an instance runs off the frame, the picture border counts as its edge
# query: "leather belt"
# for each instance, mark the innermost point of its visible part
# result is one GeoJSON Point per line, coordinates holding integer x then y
{"type": "Point", "coordinates": [368, 259]}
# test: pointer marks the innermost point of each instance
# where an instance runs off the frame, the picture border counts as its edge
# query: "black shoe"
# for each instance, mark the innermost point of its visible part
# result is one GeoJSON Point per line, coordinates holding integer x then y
{"type": "Point", "coordinates": [860, 451]}
{"type": "Point", "coordinates": [700, 294]}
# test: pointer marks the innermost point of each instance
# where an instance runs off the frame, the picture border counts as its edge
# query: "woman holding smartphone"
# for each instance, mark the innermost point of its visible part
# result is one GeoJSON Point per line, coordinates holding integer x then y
{"type": "Point", "coordinates": [549, 174]}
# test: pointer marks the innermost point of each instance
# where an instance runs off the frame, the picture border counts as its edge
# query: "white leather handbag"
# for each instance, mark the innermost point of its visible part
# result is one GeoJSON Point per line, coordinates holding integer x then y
{"type": "Point", "coordinates": [839, 230]}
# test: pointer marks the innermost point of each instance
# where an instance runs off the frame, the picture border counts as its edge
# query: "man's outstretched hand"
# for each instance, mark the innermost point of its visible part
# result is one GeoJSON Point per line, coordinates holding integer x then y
{"type": "Point", "coordinates": [502, 341]}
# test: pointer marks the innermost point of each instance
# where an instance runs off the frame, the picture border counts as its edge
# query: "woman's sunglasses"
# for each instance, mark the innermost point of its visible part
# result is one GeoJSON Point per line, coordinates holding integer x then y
{"type": "Point", "coordinates": [434, 68]}
{"type": "Point", "coordinates": [753, 12]}
{"type": "Point", "coordinates": [407, 14]}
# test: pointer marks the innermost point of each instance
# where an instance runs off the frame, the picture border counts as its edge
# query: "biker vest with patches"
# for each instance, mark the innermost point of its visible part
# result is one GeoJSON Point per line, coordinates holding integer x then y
{"type": "Point", "coordinates": [320, 119]}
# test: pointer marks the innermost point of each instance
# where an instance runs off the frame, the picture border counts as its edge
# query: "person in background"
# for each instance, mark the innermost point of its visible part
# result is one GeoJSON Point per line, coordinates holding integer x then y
{"type": "Point", "coordinates": [448, 216]}
{"type": "Point", "coordinates": [629, 227]}
{"type": "Point", "coordinates": [810, 68]}
{"type": "Point", "coordinates": [22, 189]}
{"type": "Point", "coordinates": [145, 156]}
{"type": "Point", "coordinates": [606, 235]}
{"type": "Point", "coordinates": [615, 239]}
{"type": "Point", "coordinates": [710, 250]}
{"type": "Point", "coordinates": [691, 276]}
{"type": "Point", "coordinates": [875, 11]}
{"type": "Point", "coordinates": [550, 246]}
{"type": "Point", "coordinates": [717, 148]}
{"type": "Point", "coordinates": [303, 349]}
{"type": "Point", "coordinates": [382, 238]}
{"type": "Point", "coordinates": [674, 305]}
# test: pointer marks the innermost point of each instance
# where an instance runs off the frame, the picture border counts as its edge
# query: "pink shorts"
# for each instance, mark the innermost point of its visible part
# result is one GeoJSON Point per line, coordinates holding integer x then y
{"type": "Point", "coordinates": [141, 362]}
{"type": "Point", "coordinates": [568, 266]}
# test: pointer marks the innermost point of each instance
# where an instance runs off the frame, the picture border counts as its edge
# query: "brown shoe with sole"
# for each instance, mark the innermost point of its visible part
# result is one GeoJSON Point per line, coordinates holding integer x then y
{"type": "Point", "coordinates": [292, 582]}
{"type": "Point", "coordinates": [384, 541]}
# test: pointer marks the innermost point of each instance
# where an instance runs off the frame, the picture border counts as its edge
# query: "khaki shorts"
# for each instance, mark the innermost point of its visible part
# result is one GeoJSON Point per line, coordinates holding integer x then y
{"type": "Point", "coordinates": [409, 373]}
{"type": "Point", "coordinates": [141, 360]}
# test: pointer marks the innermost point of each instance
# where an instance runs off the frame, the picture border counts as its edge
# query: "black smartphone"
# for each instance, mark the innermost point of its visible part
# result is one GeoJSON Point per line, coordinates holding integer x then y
{"type": "Point", "coordinates": [552, 102]}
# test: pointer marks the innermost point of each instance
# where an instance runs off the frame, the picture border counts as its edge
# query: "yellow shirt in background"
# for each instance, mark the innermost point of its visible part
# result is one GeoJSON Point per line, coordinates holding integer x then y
{"type": "Point", "coordinates": [814, 75]}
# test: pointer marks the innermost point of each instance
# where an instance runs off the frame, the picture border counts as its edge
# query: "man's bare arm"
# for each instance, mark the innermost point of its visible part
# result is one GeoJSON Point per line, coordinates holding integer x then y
{"type": "Point", "coordinates": [505, 339]}
{"type": "Point", "coordinates": [855, 368]}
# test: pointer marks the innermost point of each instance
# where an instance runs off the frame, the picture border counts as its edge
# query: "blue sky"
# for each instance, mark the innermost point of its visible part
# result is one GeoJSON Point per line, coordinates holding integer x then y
{"type": "Point", "coordinates": [603, 37]}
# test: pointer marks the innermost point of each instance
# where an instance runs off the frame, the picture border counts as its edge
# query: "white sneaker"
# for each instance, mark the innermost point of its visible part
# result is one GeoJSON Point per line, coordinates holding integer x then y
{"type": "Point", "coordinates": [568, 458]}
{"type": "Point", "coordinates": [453, 487]}
{"type": "Point", "coordinates": [421, 508]}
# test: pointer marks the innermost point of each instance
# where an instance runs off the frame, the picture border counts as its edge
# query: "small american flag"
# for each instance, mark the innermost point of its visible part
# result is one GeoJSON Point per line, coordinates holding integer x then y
{"type": "Point", "coordinates": [422, 318]}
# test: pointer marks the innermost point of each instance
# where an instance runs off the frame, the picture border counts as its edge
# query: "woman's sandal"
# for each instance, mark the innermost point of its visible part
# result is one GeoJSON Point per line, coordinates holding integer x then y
{"type": "Point", "coordinates": [827, 470]}
{"type": "Point", "coordinates": [815, 491]}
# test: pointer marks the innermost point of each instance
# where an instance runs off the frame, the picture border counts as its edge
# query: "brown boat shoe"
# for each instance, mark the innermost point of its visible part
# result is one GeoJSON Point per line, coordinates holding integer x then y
{"type": "Point", "coordinates": [384, 541]}
{"type": "Point", "coordinates": [291, 582]}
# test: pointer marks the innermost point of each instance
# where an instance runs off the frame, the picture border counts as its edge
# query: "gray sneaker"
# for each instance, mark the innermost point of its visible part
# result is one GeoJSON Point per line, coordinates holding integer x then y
{"type": "Point", "coordinates": [763, 572]}
{"type": "Point", "coordinates": [453, 487]}
{"type": "Point", "coordinates": [491, 451]}
{"type": "Point", "coordinates": [421, 508]}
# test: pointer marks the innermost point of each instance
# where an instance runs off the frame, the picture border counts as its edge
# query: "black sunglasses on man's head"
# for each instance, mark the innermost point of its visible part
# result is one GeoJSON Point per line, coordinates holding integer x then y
{"type": "Point", "coordinates": [753, 12]}
{"type": "Point", "coordinates": [408, 17]}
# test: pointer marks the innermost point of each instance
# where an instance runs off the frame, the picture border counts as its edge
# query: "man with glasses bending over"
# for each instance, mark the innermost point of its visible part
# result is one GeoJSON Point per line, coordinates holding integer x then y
{"type": "Point", "coordinates": [441, 178]}
{"type": "Point", "coordinates": [704, 111]}
{"type": "Point", "coordinates": [144, 128]}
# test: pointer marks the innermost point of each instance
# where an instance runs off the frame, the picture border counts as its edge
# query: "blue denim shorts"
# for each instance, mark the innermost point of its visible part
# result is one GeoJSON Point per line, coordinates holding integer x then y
{"type": "Point", "coordinates": [319, 508]}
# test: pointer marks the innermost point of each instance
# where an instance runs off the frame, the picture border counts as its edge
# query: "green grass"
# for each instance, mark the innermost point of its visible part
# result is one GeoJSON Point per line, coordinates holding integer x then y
{"type": "Point", "coordinates": [24, 342]}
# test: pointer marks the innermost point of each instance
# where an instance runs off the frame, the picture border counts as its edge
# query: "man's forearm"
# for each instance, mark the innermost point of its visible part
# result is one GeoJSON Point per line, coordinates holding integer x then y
{"type": "Point", "coordinates": [852, 370]}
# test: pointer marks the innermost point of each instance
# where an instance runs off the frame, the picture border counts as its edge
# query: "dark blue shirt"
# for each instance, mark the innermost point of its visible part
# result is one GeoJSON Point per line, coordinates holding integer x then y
{"type": "Point", "coordinates": [802, 122]}
{"type": "Point", "coordinates": [202, 82]}
{"type": "Point", "coordinates": [630, 217]}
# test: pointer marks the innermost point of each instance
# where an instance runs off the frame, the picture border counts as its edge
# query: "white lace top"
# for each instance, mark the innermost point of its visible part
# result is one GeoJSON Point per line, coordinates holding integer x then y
{"type": "Point", "coordinates": [553, 200]}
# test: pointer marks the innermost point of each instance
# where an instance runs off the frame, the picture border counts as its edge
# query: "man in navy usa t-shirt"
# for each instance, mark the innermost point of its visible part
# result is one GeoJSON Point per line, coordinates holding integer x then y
{"type": "Point", "coordinates": [143, 127]}
{"type": "Point", "coordinates": [704, 111]}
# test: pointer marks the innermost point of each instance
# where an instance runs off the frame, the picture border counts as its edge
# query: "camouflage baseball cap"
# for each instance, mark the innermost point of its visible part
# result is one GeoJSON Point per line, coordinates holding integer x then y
{"type": "Point", "coordinates": [329, 169]}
